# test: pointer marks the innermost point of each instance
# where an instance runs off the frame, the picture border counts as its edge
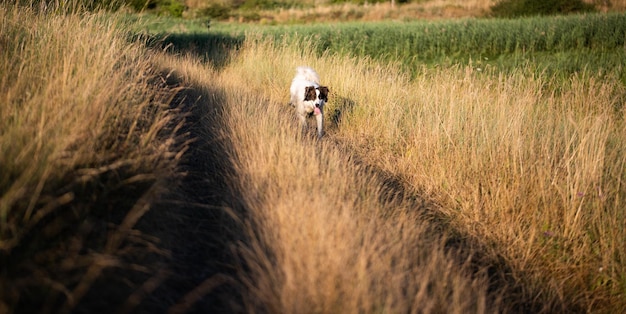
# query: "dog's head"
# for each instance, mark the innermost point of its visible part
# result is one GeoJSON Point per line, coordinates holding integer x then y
{"type": "Point", "coordinates": [317, 94]}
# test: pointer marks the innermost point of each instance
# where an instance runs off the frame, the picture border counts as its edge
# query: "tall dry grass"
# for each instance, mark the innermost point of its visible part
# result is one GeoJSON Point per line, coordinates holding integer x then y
{"type": "Point", "coordinates": [322, 234]}
{"type": "Point", "coordinates": [82, 146]}
{"type": "Point", "coordinates": [530, 166]}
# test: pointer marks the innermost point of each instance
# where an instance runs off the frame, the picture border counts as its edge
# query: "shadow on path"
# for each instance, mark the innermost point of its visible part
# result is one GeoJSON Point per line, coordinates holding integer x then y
{"type": "Point", "coordinates": [200, 219]}
{"type": "Point", "coordinates": [213, 48]}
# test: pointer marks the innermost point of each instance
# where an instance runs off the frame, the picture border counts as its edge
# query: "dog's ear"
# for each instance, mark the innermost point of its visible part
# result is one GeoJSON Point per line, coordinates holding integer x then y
{"type": "Point", "coordinates": [309, 93]}
{"type": "Point", "coordinates": [323, 93]}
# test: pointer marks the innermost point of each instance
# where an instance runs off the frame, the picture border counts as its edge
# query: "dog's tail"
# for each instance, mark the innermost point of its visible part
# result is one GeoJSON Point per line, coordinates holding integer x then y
{"type": "Point", "coordinates": [308, 73]}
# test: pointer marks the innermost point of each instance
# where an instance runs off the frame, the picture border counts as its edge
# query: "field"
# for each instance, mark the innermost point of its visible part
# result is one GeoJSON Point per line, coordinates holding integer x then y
{"type": "Point", "coordinates": [473, 165]}
{"type": "Point", "coordinates": [560, 45]}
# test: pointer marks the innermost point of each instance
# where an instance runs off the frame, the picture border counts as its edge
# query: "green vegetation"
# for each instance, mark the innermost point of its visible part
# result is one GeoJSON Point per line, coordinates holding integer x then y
{"type": "Point", "coordinates": [517, 8]}
{"type": "Point", "coordinates": [557, 45]}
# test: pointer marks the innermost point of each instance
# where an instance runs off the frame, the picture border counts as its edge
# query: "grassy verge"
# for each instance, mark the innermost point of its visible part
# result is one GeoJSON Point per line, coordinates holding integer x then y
{"type": "Point", "coordinates": [528, 163]}
{"type": "Point", "coordinates": [85, 148]}
{"type": "Point", "coordinates": [513, 127]}
{"type": "Point", "coordinates": [535, 172]}
{"type": "Point", "coordinates": [532, 167]}
{"type": "Point", "coordinates": [323, 233]}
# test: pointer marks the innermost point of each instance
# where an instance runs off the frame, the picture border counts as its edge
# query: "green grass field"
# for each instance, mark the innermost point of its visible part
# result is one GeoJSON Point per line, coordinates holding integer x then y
{"type": "Point", "coordinates": [469, 166]}
{"type": "Point", "coordinates": [559, 45]}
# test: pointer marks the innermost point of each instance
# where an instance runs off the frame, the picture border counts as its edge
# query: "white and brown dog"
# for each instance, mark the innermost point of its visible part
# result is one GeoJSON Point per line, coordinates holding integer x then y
{"type": "Point", "coordinates": [308, 97]}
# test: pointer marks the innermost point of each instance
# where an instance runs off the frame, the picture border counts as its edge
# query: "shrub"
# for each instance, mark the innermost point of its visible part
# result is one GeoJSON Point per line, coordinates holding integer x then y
{"type": "Point", "coordinates": [517, 8]}
{"type": "Point", "coordinates": [139, 5]}
{"type": "Point", "coordinates": [173, 8]}
{"type": "Point", "coordinates": [250, 16]}
{"type": "Point", "coordinates": [365, 1]}
{"type": "Point", "coordinates": [260, 4]}
{"type": "Point", "coordinates": [216, 11]}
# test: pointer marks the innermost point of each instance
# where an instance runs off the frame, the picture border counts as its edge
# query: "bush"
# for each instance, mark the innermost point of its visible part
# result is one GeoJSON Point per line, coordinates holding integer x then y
{"type": "Point", "coordinates": [250, 16]}
{"type": "Point", "coordinates": [139, 5]}
{"type": "Point", "coordinates": [216, 11]}
{"type": "Point", "coordinates": [517, 8]}
{"type": "Point", "coordinates": [173, 8]}
{"type": "Point", "coordinates": [365, 1]}
{"type": "Point", "coordinates": [259, 4]}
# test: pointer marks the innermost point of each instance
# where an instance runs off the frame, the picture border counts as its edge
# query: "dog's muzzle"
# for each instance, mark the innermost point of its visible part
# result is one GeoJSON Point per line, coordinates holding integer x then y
{"type": "Point", "coordinates": [317, 109]}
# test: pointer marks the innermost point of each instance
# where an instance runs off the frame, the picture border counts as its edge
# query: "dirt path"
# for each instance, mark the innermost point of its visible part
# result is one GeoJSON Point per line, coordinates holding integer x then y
{"type": "Point", "coordinates": [196, 222]}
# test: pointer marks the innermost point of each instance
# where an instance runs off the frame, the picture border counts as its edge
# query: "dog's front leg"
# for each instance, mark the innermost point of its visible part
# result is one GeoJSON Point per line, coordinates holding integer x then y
{"type": "Point", "coordinates": [320, 123]}
{"type": "Point", "coordinates": [302, 118]}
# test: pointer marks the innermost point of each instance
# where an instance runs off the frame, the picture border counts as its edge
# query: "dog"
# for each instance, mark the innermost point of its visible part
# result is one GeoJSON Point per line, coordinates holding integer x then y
{"type": "Point", "coordinates": [308, 97]}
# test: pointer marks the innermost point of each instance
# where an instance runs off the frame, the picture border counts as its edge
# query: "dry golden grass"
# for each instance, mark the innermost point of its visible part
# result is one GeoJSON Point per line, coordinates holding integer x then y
{"type": "Point", "coordinates": [519, 170]}
{"type": "Point", "coordinates": [530, 166]}
{"type": "Point", "coordinates": [533, 167]}
{"type": "Point", "coordinates": [81, 147]}
{"type": "Point", "coordinates": [321, 237]}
